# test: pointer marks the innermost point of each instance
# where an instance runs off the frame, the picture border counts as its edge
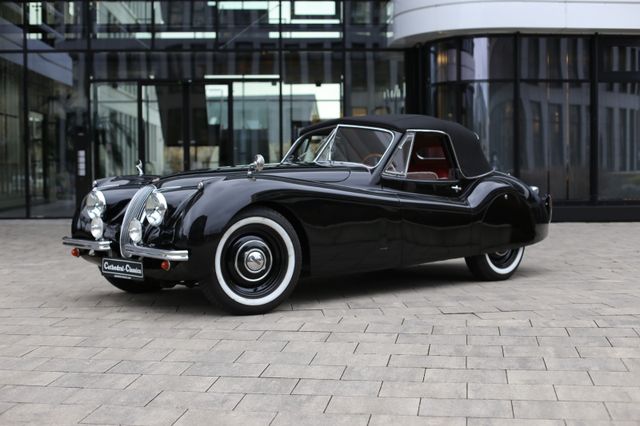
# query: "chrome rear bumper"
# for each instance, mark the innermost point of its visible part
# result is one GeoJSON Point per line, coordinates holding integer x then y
{"type": "Point", "coordinates": [101, 245]}
{"type": "Point", "coordinates": [134, 250]}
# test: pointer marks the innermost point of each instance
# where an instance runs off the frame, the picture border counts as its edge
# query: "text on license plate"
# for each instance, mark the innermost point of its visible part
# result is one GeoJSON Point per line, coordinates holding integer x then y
{"type": "Point", "coordinates": [119, 268]}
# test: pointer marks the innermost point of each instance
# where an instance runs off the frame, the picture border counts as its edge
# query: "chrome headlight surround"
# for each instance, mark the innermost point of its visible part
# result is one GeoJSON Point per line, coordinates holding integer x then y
{"type": "Point", "coordinates": [95, 204]}
{"type": "Point", "coordinates": [155, 208]}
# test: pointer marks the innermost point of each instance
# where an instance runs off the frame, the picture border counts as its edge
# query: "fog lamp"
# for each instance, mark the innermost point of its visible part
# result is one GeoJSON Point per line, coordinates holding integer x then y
{"type": "Point", "coordinates": [97, 228]}
{"type": "Point", "coordinates": [135, 231]}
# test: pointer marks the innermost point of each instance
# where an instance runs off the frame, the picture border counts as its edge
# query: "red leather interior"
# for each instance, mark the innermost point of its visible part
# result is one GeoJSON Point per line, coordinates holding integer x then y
{"type": "Point", "coordinates": [429, 155]}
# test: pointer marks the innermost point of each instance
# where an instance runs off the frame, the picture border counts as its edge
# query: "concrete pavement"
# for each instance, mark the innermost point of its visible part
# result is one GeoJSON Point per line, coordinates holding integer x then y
{"type": "Point", "coordinates": [559, 343]}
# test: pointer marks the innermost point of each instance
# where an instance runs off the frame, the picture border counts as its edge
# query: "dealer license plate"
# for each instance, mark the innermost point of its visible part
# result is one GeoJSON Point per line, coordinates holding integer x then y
{"type": "Point", "coordinates": [119, 268]}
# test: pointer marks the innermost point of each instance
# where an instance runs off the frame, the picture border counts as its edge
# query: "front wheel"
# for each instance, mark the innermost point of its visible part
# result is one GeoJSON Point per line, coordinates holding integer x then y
{"type": "Point", "coordinates": [495, 266]}
{"type": "Point", "coordinates": [256, 264]}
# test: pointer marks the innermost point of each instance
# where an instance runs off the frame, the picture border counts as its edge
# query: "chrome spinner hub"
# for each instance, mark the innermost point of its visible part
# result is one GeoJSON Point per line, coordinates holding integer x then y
{"type": "Point", "coordinates": [255, 260]}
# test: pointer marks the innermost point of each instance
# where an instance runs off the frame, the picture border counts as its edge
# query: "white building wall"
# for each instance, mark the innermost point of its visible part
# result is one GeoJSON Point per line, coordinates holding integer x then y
{"type": "Point", "coordinates": [423, 20]}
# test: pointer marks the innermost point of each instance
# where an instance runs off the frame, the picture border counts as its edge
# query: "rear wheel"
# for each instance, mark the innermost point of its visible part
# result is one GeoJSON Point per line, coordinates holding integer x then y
{"type": "Point", "coordinates": [495, 266]}
{"type": "Point", "coordinates": [134, 286]}
{"type": "Point", "coordinates": [256, 264]}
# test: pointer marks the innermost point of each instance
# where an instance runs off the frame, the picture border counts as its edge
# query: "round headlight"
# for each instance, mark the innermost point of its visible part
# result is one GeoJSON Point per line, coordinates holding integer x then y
{"type": "Point", "coordinates": [95, 204]}
{"type": "Point", "coordinates": [135, 231]}
{"type": "Point", "coordinates": [97, 228]}
{"type": "Point", "coordinates": [155, 208]}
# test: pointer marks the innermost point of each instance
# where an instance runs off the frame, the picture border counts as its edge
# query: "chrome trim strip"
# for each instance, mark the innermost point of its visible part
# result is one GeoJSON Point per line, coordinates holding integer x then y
{"type": "Point", "coordinates": [154, 253]}
{"type": "Point", "coordinates": [100, 245]}
{"type": "Point", "coordinates": [453, 149]}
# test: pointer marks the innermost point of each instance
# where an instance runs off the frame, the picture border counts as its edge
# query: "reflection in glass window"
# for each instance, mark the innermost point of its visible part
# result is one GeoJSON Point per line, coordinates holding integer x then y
{"type": "Point", "coordinates": [620, 55]}
{"type": "Point", "coordinates": [377, 83]}
{"type": "Point", "coordinates": [444, 101]}
{"type": "Point", "coordinates": [554, 138]}
{"type": "Point", "coordinates": [484, 58]}
{"type": "Point", "coordinates": [311, 90]}
{"type": "Point", "coordinates": [57, 109]}
{"type": "Point", "coordinates": [619, 142]}
{"type": "Point", "coordinates": [56, 23]}
{"type": "Point", "coordinates": [488, 111]}
{"type": "Point", "coordinates": [127, 21]}
{"type": "Point", "coordinates": [115, 125]}
{"type": "Point", "coordinates": [444, 61]}
{"type": "Point", "coordinates": [12, 170]}
{"type": "Point", "coordinates": [255, 110]}
{"type": "Point", "coordinates": [369, 23]}
{"type": "Point", "coordinates": [184, 25]}
{"type": "Point", "coordinates": [554, 57]}
{"type": "Point", "coordinates": [10, 25]}
{"type": "Point", "coordinates": [318, 22]}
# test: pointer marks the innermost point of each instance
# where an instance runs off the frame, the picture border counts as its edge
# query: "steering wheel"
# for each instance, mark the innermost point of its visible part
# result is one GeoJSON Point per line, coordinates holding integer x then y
{"type": "Point", "coordinates": [373, 156]}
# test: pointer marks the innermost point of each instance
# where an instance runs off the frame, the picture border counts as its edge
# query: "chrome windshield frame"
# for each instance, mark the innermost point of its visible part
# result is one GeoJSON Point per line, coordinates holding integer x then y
{"type": "Point", "coordinates": [332, 136]}
{"type": "Point", "coordinates": [295, 143]}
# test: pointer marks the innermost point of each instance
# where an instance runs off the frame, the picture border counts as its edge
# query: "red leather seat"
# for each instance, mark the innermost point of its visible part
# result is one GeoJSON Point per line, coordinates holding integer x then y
{"type": "Point", "coordinates": [429, 156]}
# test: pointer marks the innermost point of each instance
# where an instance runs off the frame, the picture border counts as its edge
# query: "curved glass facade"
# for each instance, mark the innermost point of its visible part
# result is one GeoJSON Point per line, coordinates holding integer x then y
{"type": "Point", "coordinates": [562, 112]}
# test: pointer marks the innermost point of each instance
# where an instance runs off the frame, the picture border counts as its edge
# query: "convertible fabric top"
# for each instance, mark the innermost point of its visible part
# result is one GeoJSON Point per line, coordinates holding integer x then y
{"type": "Point", "coordinates": [466, 146]}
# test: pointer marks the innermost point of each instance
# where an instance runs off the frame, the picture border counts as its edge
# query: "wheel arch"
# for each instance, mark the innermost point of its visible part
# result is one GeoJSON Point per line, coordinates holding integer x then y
{"type": "Point", "coordinates": [508, 207]}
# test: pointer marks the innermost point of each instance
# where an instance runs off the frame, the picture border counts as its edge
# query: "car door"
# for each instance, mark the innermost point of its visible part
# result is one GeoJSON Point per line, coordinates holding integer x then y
{"type": "Point", "coordinates": [352, 224]}
{"type": "Point", "coordinates": [436, 219]}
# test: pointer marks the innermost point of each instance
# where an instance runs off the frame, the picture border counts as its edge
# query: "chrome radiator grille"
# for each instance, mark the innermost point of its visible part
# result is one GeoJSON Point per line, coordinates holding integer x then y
{"type": "Point", "coordinates": [134, 211]}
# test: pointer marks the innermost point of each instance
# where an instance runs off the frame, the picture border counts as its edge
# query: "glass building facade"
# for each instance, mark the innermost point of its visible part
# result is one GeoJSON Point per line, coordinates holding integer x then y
{"type": "Point", "coordinates": [89, 87]}
{"type": "Point", "coordinates": [561, 112]}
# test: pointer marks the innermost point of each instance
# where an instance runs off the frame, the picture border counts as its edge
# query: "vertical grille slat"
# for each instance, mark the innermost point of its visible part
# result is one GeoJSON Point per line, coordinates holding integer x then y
{"type": "Point", "coordinates": [135, 208]}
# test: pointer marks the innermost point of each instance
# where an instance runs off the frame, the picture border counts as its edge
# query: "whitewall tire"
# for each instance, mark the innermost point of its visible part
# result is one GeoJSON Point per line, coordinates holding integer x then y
{"type": "Point", "coordinates": [256, 263]}
{"type": "Point", "coordinates": [495, 266]}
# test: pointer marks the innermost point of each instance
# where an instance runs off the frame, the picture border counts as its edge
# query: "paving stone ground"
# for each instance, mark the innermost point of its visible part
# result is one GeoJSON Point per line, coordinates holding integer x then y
{"type": "Point", "coordinates": [558, 344]}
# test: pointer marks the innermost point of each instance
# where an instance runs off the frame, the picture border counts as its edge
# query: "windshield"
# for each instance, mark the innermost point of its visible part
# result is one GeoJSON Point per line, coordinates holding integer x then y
{"type": "Point", "coordinates": [355, 145]}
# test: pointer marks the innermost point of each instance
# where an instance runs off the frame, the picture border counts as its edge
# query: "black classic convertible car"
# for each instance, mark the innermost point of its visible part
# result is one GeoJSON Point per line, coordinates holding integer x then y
{"type": "Point", "coordinates": [353, 194]}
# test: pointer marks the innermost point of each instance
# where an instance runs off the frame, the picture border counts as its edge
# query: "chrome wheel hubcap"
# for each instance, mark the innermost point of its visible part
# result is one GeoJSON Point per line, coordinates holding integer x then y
{"type": "Point", "coordinates": [253, 260]}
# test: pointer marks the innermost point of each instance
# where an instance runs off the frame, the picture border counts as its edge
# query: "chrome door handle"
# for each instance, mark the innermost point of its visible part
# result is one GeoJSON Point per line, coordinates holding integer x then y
{"type": "Point", "coordinates": [456, 188]}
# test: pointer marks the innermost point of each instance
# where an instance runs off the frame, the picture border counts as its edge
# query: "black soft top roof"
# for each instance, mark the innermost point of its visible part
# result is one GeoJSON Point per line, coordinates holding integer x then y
{"type": "Point", "coordinates": [465, 143]}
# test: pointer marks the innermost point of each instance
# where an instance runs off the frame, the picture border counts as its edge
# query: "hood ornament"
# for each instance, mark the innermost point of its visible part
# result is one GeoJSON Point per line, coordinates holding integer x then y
{"type": "Point", "coordinates": [139, 167]}
{"type": "Point", "coordinates": [256, 166]}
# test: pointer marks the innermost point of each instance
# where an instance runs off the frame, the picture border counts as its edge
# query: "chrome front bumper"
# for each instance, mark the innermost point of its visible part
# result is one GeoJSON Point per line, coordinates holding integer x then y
{"type": "Point", "coordinates": [154, 253]}
{"type": "Point", "coordinates": [132, 249]}
{"type": "Point", "coordinates": [101, 245]}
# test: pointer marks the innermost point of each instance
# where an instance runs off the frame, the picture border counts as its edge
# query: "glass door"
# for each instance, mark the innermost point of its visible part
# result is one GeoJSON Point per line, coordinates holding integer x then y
{"type": "Point", "coordinates": [184, 126]}
{"type": "Point", "coordinates": [162, 127]}
{"type": "Point", "coordinates": [210, 127]}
